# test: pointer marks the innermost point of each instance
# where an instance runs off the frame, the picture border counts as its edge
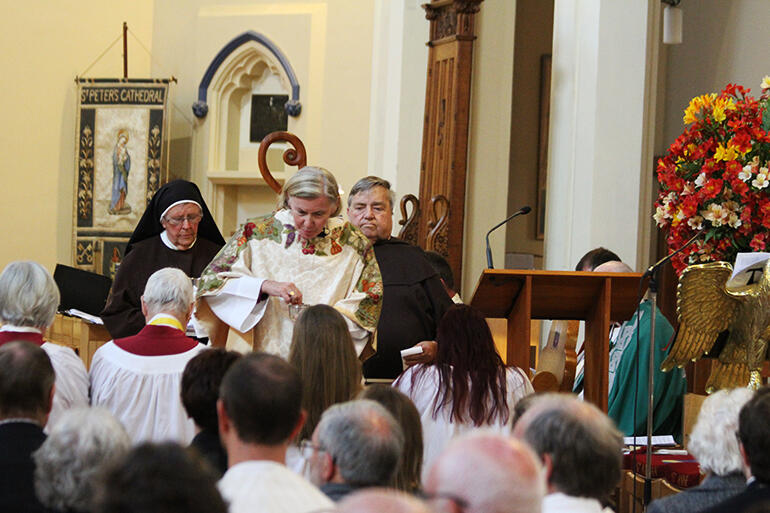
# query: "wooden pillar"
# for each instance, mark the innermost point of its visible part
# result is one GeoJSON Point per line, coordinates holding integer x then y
{"type": "Point", "coordinates": [445, 132]}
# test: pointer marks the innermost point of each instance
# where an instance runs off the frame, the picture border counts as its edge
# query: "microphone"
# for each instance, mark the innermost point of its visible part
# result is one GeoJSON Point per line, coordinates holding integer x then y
{"type": "Point", "coordinates": [522, 211]}
{"type": "Point", "coordinates": [654, 267]}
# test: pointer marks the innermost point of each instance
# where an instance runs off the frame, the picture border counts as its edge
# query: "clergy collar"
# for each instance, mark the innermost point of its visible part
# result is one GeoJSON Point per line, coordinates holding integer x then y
{"type": "Point", "coordinates": [20, 329]}
{"type": "Point", "coordinates": [168, 320]}
{"type": "Point", "coordinates": [170, 245]}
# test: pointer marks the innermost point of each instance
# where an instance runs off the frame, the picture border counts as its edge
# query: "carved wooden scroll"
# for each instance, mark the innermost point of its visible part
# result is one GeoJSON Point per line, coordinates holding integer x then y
{"type": "Point", "coordinates": [410, 231]}
{"type": "Point", "coordinates": [438, 224]}
{"type": "Point", "coordinates": [447, 113]}
{"type": "Point", "coordinates": [296, 156]}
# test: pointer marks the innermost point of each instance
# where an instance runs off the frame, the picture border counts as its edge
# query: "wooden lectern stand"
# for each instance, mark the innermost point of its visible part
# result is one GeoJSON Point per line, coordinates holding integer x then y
{"type": "Point", "coordinates": [597, 298]}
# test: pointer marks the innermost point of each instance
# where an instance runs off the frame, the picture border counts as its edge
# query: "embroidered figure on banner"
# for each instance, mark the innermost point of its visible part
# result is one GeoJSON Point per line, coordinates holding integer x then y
{"type": "Point", "coordinates": [121, 165]}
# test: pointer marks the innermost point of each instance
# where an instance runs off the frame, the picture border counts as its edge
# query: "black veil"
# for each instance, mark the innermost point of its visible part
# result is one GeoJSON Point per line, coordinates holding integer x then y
{"type": "Point", "coordinates": [178, 190]}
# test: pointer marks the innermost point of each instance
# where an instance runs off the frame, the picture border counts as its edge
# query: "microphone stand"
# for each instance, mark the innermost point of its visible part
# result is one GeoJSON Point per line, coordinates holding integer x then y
{"type": "Point", "coordinates": [521, 211]}
{"type": "Point", "coordinates": [652, 295]}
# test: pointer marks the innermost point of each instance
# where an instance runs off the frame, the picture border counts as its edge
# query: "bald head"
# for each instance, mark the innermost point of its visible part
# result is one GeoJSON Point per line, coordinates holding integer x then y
{"type": "Point", "coordinates": [490, 473]}
{"type": "Point", "coordinates": [381, 500]}
{"type": "Point", "coordinates": [581, 446]}
{"type": "Point", "coordinates": [613, 266]}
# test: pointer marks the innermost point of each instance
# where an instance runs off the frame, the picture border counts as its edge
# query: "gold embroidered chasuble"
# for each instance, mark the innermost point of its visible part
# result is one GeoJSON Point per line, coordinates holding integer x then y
{"type": "Point", "coordinates": [337, 268]}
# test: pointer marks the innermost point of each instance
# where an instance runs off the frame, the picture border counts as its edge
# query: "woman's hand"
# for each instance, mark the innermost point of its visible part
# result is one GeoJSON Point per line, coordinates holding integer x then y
{"type": "Point", "coordinates": [428, 354]}
{"type": "Point", "coordinates": [284, 290]}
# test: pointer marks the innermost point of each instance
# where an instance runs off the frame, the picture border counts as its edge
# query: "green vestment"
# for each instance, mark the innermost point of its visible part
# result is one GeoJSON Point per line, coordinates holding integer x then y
{"type": "Point", "coordinates": [668, 387]}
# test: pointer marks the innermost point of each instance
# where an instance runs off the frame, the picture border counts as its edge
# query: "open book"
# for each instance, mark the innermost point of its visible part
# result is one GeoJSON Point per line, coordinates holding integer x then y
{"type": "Point", "coordinates": [747, 269]}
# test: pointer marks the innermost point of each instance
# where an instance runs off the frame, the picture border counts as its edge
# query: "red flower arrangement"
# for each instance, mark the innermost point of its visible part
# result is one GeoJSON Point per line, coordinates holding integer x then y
{"type": "Point", "coordinates": [715, 177]}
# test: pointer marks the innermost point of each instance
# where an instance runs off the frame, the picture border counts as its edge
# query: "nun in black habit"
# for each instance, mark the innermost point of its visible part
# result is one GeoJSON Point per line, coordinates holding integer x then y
{"type": "Point", "coordinates": [176, 230]}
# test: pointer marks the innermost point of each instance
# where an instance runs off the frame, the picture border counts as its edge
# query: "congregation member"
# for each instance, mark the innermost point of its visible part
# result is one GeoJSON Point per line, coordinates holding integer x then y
{"type": "Point", "coordinates": [29, 298]}
{"type": "Point", "coordinates": [414, 299]}
{"type": "Point", "coordinates": [158, 478]}
{"type": "Point", "coordinates": [628, 379]}
{"type": "Point", "coordinates": [484, 472]}
{"type": "Point", "coordinates": [323, 353]}
{"type": "Point", "coordinates": [378, 500]}
{"type": "Point", "coordinates": [444, 270]}
{"type": "Point", "coordinates": [138, 378]}
{"type": "Point", "coordinates": [201, 379]}
{"type": "Point", "coordinates": [26, 393]}
{"type": "Point", "coordinates": [580, 449]}
{"type": "Point", "coordinates": [356, 445]}
{"type": "Point", "coordinates": [467, 386]}
{"type": "Point", "coordinates": [714, 444]}
{"type": "Point", "coordinates": [595, 258]}
{"type": "Point", "coordinates": [260, 413]}
{"type": "Point", "coordinates": [409, 471]}
{"type": "Point", "coordinates": [302, 254]}
{"type": "Point", "coordinates": [754, 442]}
{"type": "Point", "coordinates": [78, 449]}
{"type": "Point", "coordinates": [176, 230]}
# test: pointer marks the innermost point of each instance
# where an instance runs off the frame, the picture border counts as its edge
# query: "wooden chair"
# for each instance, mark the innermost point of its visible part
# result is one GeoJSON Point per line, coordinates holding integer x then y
{"type": "Point", "coordinates": [438, 222]}
{"type": "Point", "coordinates": [632, 491]}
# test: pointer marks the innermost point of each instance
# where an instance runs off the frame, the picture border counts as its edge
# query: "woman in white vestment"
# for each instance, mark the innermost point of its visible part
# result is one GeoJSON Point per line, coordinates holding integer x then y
{"type": "Point", "coordinates": [29, 298]}
{"type": "Point", "coordinates": [467, 387]}
{"type": "Point", "coordinates": [302, 254]}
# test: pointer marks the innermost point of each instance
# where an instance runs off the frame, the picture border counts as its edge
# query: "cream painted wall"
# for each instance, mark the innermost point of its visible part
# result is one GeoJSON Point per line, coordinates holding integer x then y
{"type": "Point", "coordinates": [487, 185]}
{"type": "Point", "coordinates": [45, 45]}
{"type": "Point", "coordinates": [534, 34]}
{"type": "Point", "coordinates": [329, 44]}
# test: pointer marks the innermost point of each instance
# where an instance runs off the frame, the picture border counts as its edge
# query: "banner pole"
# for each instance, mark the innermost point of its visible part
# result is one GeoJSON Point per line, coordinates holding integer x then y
{"type": "Point", "coordinates": [125, 50]}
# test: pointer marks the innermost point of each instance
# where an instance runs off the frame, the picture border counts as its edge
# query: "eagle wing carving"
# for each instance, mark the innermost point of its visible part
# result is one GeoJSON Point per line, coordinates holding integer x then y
{"type": "Point", "coordinates": [705, 308]}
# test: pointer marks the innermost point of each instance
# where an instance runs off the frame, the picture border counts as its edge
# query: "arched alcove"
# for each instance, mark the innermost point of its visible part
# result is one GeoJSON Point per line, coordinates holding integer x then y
{"type": "Point", "coordinates": [248, 70]}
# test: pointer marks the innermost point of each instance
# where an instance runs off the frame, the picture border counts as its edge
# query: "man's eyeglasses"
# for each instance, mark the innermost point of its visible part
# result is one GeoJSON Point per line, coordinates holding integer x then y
{"type": "Point", "coordinates": [177, 221]}
{"type": "Point", "coordinates": [307, 448]}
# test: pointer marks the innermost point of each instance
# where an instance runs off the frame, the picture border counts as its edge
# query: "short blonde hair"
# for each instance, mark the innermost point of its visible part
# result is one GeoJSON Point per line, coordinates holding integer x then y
{"type": "Point", "coordinates": [310, 183]}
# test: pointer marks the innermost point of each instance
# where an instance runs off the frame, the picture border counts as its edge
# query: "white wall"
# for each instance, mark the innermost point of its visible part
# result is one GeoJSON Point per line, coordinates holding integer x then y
{"type": "Point", "coordinates": [399, 70]}
{"type": "Point", "coordinates": [597, 134]}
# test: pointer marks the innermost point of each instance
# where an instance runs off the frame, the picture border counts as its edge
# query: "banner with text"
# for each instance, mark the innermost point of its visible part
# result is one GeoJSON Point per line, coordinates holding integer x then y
{"type": "Point", "coordinates": [120, 161]}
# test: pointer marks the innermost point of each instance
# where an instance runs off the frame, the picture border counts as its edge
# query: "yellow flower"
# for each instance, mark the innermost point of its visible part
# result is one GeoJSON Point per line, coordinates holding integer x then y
{"type": "Point", "coordinates": [720, 106]}
{"type": "Point", "coordinates": [765, 82]}
{"type": "Point", "coordinates": [697, 104]}
{"type": "Point", "coordinates": [718, 113]}
{"type": "Point", "coordinates": [725, 153]}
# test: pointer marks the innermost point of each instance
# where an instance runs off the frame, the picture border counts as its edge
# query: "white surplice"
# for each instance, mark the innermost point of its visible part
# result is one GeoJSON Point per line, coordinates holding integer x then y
{"type": "Point", "coordinates": [143, 392]}
{"type": "Point", "coordinates": [437, 432]}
